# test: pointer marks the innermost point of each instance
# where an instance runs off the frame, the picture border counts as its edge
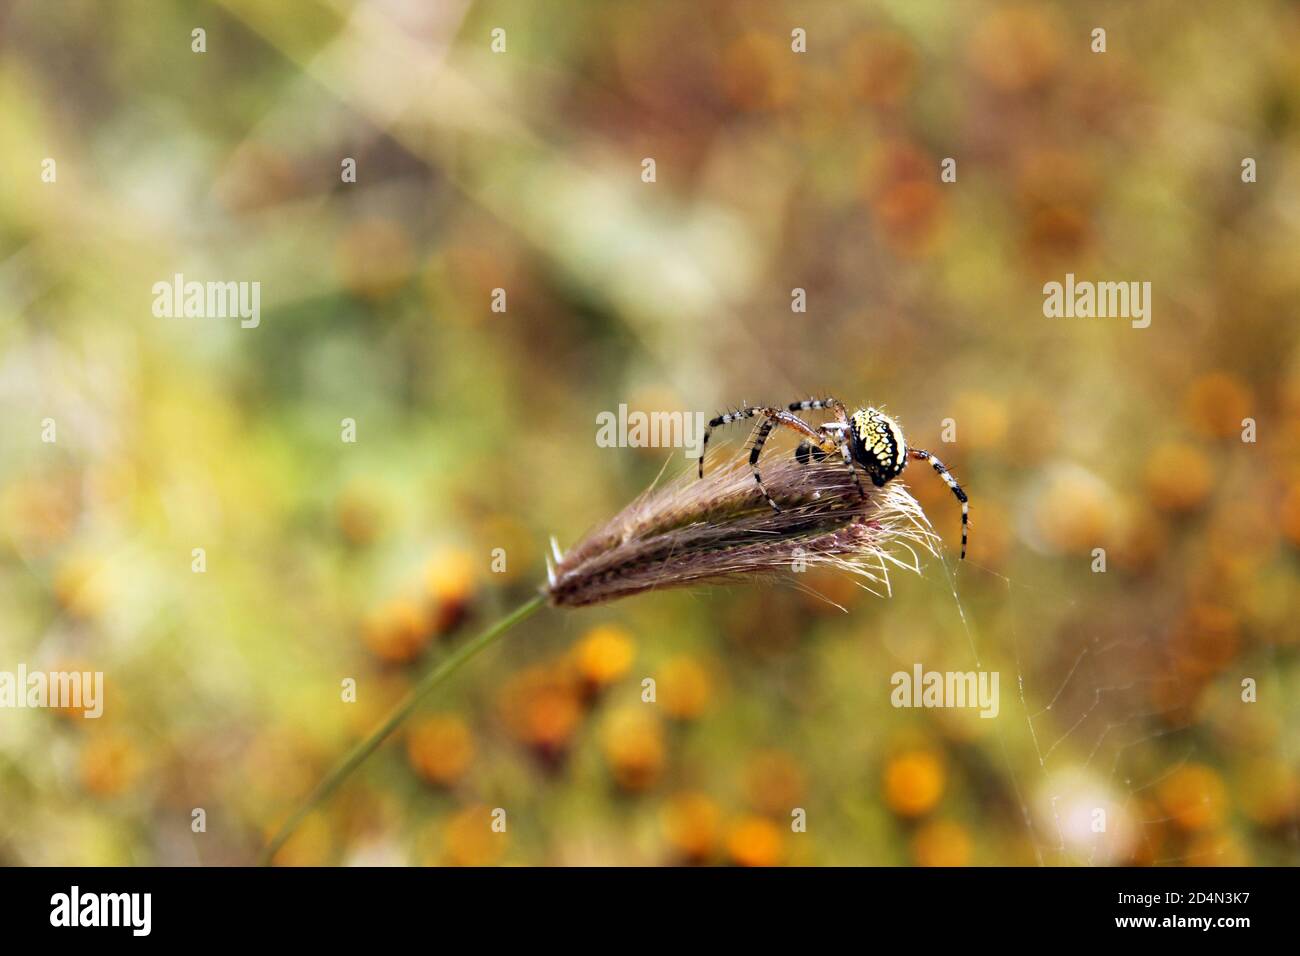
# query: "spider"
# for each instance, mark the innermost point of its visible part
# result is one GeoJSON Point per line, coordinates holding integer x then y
{"type": "Point", "coordinates": [868, 438]}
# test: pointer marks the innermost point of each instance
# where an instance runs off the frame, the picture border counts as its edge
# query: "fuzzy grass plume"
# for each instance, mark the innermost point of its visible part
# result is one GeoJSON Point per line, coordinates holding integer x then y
{"type": "Point", "coordinates": [719, 529]}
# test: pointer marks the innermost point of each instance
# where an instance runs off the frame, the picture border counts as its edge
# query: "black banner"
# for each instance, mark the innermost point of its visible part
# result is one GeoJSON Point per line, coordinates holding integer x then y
{"type": "Point", "coordinates": [444, 905]}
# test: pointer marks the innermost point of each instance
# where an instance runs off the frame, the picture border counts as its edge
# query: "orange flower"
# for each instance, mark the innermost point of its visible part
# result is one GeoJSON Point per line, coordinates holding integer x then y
{"type": "Point", "coordinates": [1178, 477]}
{"type": "Point", "coordinates": [540, 707]}
{"type": "Point", "coordinates": [440, 749]}
{"type": "Point", "coordinates": [1016, 49]}
{"type": "Point", "coordinates": [1142, 541]}
{"type": "Point", "coordinates": [470, 840]}
{"type": "Point", "coordinates": [909, 205]}
{"type": "Point", "coordinates": [690, 822]}
{"type": "Point", "coordinates": [755, 841]}
{"type": "Point", "coordinates": [110, 764]}
{"type": "Point", "coordinates": [1056, 192]}
{"type": "Point", "coordinates": [914, 783]}
{"type": "Point", "coordinates": [398, 632]}
{"type": "Point", "coordinates": [1216, 404]}
{"type": "Point", "coordinates": [1290, 513]}
{"type": "Point", "coordinates": [941, 843]}
{"type": "Point", "coordinates": [1194, 797]}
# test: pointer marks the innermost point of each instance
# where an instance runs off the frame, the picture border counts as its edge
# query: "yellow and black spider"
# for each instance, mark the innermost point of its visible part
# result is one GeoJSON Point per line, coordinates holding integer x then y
{"type": "Point", "coordinates": [868, 437]}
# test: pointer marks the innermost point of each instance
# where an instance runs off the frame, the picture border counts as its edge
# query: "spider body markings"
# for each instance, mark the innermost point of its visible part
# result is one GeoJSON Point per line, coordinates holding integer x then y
{"type": "Point", "coordinates": [868, 439]}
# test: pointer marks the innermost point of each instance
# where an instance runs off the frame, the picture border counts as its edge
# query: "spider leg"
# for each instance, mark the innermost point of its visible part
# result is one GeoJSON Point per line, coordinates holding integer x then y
{"type": "Point", "coordinates": [735, 416]}
{"type": "Point", "coordinates": [946, 475]}
{"type": "Point", "coordinates": [772, 418]}
{"type": "Point", "coordinates": [832, 403]}
{"type": "Point", "coordinates": [847, 453]}
{"type": "Point", "coordinates": [843, 426]}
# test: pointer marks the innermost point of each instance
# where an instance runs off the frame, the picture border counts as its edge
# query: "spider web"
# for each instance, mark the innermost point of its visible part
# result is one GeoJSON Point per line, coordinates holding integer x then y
{"type": "Point", "coordinates": [1100, 723]}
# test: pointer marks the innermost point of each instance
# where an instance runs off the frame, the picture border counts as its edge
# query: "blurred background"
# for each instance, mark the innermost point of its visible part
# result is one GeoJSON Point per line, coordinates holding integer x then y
{"type": "Point", "coordinates": [522, 170]}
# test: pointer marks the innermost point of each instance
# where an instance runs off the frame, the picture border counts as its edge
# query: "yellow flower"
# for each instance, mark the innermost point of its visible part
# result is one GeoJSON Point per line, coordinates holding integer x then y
{"type": "Point", "coordinates": [450, 575]}
{"type": "Point", "coordinates": [604, 655]}
{"type": "Point", "coordinates": [450, 580]}
{"type": "Point", "coordinates": [440, 749]}
{"type": "Point", "coordinates": [684, 688]}
{"type": "Point", "coordinates": [470, 840]}
{"type": "Point", "coordinates": [634, 749]}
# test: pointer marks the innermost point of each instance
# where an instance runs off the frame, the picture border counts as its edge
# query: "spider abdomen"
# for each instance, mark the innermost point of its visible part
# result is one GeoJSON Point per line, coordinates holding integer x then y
{"type": "Point", "coordinates": [878, 445]}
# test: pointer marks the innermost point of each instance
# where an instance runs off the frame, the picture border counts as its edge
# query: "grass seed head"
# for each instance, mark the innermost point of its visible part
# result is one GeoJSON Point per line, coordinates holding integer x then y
{"type": "Point", "coordinates": [720, 530]}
